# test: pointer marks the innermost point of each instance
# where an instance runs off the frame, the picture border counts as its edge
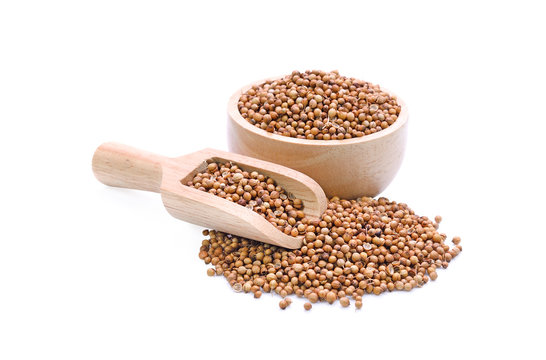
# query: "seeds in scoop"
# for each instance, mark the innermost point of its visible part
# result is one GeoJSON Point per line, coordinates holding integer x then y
{"type": "Point", "coordinates": [255, 191]}
{"type": "Point", "coordinates": [212, 167]}
{"type": "Point", "coordinates": [357, 247]}
{"type": "Point", "coordinates": [317, 105]}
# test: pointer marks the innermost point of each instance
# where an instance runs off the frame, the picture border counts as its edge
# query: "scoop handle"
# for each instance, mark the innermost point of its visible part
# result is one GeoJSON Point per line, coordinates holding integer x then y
{"type": "Point", "coordinates": [127, 167]}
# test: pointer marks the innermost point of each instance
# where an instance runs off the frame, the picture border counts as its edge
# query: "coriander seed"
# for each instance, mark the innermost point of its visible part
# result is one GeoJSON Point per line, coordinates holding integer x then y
{"type": "Point", "coordinates": [317, 105]}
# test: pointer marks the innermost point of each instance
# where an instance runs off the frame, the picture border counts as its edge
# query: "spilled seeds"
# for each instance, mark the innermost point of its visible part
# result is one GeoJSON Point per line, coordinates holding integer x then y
{"type": "Point", "coordinates": [357, 247]}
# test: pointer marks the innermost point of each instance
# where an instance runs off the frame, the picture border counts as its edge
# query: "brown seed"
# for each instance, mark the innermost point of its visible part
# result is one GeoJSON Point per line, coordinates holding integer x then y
{"type": "Point", "coordinates": [344, 301]}
{"type": "Point", "coordinates": [313, 297]}
{"type": "Point", "coordinates": [288, 301]}
{"type": "Point", "coordinates": [331, 297]}
{"type": "Point", "coordinates": [358, 304]}
{"type": "Point", "coordinates": [283, 304]}
{"type": "Point", "coordinates": [211, 272]}
{"type": "Point", "coordinates": [307, 306]}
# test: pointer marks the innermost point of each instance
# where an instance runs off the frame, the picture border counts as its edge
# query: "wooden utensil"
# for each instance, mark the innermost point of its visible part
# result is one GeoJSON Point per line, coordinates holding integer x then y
{"type": "Point", "coordinates": [123, 166]}
{"type": "Point", "coordinates": [349, 168]}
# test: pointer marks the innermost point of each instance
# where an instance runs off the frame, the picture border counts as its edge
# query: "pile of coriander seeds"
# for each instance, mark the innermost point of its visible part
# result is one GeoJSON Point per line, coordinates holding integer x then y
{"type": "Point", "coordinates": [256, 192]}
{"type": "Point", "coordinates": [357, 247]}
{"type": "Point", "coordinates": [319, 105]}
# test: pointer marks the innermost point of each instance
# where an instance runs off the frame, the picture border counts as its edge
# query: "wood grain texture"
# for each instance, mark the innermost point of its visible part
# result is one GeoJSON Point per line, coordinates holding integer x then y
{"type": "Point", "coordinates": [347, 168]}
{"type": "Point", "coordinates": [123, 166]}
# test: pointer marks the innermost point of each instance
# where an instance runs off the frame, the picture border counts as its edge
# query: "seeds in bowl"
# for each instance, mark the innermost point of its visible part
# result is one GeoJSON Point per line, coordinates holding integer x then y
{"type": "Point", "coordinates": [357, 247]}
{"type": "Point", "coordinates": [319, 105]}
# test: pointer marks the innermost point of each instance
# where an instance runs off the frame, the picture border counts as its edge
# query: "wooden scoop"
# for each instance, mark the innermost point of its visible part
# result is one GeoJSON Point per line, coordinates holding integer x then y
{"type": "Point", "coordinates": [127, 167]}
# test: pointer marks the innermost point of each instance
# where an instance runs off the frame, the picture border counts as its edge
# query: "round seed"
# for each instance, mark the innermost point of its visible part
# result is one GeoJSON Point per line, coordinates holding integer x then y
{"type": "Point", "coordinates": [358, 304]}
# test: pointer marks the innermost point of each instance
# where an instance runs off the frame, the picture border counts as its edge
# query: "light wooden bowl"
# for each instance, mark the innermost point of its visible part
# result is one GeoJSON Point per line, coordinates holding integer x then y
{"type": "Point", "coordinates": [347, 168]}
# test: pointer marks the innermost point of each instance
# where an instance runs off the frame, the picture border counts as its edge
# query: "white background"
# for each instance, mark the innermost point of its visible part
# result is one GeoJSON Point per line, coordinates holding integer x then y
{"type": "Point", "coordinates": [91, 272]}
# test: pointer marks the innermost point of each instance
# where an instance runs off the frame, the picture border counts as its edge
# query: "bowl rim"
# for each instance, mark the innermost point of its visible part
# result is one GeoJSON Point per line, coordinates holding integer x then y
{"type": "Point", "coordinates": [235, 115]}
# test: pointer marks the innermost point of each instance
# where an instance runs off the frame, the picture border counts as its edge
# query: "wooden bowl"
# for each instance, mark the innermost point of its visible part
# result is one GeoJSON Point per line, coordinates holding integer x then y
{"type": "Point", "coordinates": [348, 168]}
